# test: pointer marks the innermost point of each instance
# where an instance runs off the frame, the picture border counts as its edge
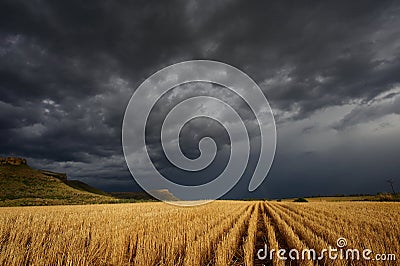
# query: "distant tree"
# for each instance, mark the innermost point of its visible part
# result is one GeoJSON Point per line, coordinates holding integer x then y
{"type": "Point", "coordinates": [391, 182]}
{"type": "Point", "coordinates": [300, 200]}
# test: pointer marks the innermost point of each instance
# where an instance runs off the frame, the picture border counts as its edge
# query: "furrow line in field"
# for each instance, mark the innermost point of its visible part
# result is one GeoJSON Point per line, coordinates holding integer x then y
{"type": "Point", "coordinates": [314, 228]}
{"type": "Point", "coordinates": [329, 231]}
{"type": "Point", "coordinates": [311, 212]}
{"type": "Point", "coordinates": [310, 223]}
{"type": "Point", "coordinates": [200, 251]}
{"type": "Point", "coordinates": [168, 246]}
{"type": "Point", "coordinates": [289, 235]}
{"type": "Point", "coordinates": [250, 241]}
{"type": "Point", "coordinates": [270, 240]}
{"type": "Point", "coordinates": [230, 241]}
{"type": "Point", "coordinates": [305, 233]}
{"type": "Point", "coordinates": [358, 234]}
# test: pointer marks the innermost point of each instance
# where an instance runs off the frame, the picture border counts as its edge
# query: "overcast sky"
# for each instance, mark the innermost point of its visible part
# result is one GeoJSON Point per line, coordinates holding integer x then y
{"type": "Point", "coordinates": [331, 73]}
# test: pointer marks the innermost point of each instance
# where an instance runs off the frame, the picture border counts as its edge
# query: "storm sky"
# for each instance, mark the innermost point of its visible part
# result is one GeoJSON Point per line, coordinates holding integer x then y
{"type": "Point", "coordinates": [330, 71]}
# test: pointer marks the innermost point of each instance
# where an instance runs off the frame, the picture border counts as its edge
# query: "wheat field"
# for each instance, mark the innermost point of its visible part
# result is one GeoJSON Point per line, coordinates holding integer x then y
{"type": "Point", "coordinates": [218, 233]}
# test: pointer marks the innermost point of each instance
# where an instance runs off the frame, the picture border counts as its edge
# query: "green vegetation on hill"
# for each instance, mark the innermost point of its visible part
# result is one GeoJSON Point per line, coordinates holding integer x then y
{"type": "Point", "coordinates": [21, 185]}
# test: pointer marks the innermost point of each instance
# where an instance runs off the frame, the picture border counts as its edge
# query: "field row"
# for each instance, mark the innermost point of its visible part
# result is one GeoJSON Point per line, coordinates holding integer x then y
{"type": "Point", "coordinates": [219, 233]}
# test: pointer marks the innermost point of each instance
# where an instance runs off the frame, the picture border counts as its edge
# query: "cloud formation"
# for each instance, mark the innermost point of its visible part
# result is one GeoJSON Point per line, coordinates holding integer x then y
{"type": "Point", "coordinates": [329, 70]}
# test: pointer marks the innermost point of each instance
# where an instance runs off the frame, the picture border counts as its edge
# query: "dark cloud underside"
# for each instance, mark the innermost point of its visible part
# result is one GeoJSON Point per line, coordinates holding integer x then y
{"type": "Point", "coordinates": [330, 71]}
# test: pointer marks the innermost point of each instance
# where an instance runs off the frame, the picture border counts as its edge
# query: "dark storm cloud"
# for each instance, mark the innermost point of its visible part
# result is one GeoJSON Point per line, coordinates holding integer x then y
{"type": "Point", "coordinates": [197, 129]}
{"type": "Point", "coordinates": [386, 104]}
{"type": "Point", "coordinates": [309, 56]}
{"type": "Point", "coordinates": [68, 68]}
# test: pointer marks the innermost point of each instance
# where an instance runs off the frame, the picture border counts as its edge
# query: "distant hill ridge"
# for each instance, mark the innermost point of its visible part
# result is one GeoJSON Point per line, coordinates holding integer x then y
{"type": "Point", "coordinates": [22, 185]}
{"type": "Point", "coordinates": [23, 161]}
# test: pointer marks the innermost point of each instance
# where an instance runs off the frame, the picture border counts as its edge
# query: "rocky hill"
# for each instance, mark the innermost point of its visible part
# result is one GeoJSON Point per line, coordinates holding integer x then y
{"type": "Point", "coordinates": [23, 185]}
{"type": "Point", "coordinates": [12, 161]}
